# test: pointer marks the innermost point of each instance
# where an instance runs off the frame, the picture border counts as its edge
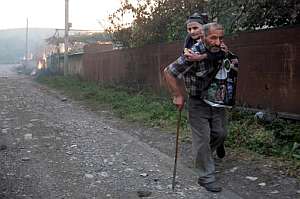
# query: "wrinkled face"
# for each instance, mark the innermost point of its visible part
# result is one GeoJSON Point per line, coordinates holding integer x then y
{"type": "Point", "coordinates": [195, 30]}
{"type": "Point", "coordinates": [214, 40]}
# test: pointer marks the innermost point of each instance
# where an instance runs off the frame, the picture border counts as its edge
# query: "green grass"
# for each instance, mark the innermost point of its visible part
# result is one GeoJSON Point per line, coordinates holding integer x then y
{"type": "Point", "coordinates": [278, 139]}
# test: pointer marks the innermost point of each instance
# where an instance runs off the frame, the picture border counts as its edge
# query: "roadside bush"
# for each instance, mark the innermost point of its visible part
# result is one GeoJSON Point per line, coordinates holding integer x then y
{"type": "Point", "coordinates": [279, 137]}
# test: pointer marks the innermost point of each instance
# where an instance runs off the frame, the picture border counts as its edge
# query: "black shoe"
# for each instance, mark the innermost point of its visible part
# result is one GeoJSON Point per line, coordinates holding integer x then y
{"type": "Point", "coordinates": [212, 186]}
{"type": "Point", "coordinates": [221, 151]}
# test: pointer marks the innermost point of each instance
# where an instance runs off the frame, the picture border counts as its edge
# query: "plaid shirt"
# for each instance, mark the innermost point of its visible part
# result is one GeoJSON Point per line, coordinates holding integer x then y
{"type": "Point", "coordinates": [197, 75]}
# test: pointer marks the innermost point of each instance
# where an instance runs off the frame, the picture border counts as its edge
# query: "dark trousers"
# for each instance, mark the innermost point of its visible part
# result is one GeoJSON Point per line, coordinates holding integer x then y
{"type": "Point", "coordinates": [208, 132]}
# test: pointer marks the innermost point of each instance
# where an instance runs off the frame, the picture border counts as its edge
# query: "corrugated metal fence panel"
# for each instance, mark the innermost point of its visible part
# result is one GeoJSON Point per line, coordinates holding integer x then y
{"type": "Point", "coordinates": [75, 66]}
{"type": "Point", "coordinates": [140, 67]}
{"type": "Point", "coordinates": [269, 77]}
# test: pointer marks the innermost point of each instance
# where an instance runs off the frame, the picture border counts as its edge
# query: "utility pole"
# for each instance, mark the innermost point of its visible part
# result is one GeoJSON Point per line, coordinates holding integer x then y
{"type": "Point", "coordinates": [66, 61]}
{"type": "Point", "coordinates": [26, 50]}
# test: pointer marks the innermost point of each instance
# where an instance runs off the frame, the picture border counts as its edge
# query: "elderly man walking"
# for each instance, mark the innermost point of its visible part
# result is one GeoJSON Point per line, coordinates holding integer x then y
{"type": "Point", "coordinates": [206, 120]}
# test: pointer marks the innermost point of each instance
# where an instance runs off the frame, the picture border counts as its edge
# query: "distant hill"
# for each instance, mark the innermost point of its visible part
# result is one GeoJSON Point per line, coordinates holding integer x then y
{"type": "Point", "coordinates": [13, 42]}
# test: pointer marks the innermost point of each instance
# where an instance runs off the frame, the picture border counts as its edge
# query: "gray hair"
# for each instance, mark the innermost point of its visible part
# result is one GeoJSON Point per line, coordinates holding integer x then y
{"type": "Point", "coordinates": [209, 26]}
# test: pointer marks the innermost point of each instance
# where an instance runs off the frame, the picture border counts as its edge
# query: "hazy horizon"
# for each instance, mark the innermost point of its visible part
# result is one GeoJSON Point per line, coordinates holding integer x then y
{"type": "Point", "coordinates": [83, 14]}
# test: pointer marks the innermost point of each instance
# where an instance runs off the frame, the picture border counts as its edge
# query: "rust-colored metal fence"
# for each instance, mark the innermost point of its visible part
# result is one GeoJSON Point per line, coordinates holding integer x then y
{"type": "Point", "coordinates": [269, 75]}
{"type": "Point", "coordinates": [139, 67]}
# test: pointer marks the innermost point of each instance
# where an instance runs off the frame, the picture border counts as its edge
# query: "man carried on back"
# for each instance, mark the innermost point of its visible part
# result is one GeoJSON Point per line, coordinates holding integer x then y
{"type": "Point", "coordinates": [207, 122]}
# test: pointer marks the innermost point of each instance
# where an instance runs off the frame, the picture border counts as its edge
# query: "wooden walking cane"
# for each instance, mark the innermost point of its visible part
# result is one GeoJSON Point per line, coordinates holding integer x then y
{"type": "Point", "coordinates": [176, 149]}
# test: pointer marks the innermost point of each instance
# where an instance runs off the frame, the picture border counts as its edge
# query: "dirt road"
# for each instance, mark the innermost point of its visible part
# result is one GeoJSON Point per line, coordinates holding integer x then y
{"type": "Point", "coordinates": [57, 149]}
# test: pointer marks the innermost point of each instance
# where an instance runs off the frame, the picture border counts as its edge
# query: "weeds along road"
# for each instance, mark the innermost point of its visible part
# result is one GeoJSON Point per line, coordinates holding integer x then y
{"type": "Point", "coordinates": [58, 149]}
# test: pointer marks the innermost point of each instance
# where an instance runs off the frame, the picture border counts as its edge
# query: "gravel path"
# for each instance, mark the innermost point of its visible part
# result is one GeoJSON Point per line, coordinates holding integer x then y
{"type": "Point", "coordinates": [58, 149]}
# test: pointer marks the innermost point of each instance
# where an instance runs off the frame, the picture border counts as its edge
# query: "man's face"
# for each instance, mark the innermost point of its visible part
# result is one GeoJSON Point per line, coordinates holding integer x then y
{"type": "Point", "coordinates": [214, 40]}
{"type": "Point", "coordinates": [195, 29]}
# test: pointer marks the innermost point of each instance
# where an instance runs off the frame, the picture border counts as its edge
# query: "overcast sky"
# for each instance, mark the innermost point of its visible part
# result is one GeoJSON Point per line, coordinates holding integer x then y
{"type": "Point", "coordinates": [83, 14]}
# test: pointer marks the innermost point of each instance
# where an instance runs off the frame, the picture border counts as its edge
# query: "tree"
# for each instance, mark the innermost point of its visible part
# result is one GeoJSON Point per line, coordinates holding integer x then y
{"type": "Point", "coordinates": [153, 21]}
{"type": "Point", "coordinates": [163, 20]}
{"type": "Point", "coordinates": [237, 15]}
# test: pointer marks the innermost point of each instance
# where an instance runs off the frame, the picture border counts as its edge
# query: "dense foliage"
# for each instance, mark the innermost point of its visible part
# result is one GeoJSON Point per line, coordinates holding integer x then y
{"type": "Point", "coordinates": [154, 21]}
{"type": "Point", "coordinates": [163, 20]}
{"type": "Point", "coordinates": [254, 14]}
